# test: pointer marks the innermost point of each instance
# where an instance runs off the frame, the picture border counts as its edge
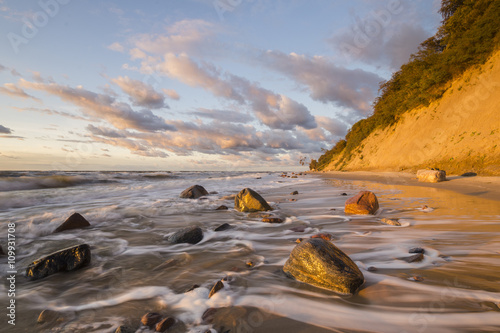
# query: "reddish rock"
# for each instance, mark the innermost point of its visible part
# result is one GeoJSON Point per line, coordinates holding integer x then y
{"type": "Point", "coordinates": [365, 202]}
{"type": "Point", "coordinates": [75, 221]}
{"type": "Point", "coordinates": [272, 220]}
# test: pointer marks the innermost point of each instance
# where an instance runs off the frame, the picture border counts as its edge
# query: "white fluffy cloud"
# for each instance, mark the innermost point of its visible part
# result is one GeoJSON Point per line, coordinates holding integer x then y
{"type": "Point", "coordinates": [140, 93]}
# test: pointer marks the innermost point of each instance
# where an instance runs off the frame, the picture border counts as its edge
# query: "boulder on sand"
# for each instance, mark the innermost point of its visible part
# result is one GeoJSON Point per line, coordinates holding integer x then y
{"type": "Point", "coordinates": [320, 263]}
{"type": "Point", "coordinates": [365, 202]}
{"type": "Point", "coordinates": [194, 192]}
{"type": "Point", "coordinates": [431, 176]}
{"type": "Point", "coordinates": [68, 259]}
{"type": "Point", "coordinates": [75, 221]}
{"type": "Point", "coordinates": [250, 201]}
{"type": "Point", "coordinates": [191, 235]}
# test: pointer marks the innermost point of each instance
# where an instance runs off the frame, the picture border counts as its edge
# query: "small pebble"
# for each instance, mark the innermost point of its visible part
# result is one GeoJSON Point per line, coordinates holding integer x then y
{"type": "Point", "coordinates": [294, 193]}
{"type": "Point", "coordinates": [416, 250]}
{"type": "Point", "coordinates": [372, 269]}
{"type": "Point", "coordinates": [298, 240]}
{"type": "Point", "coordinates": [417, 278]}
{"type": "Point", "coordinates": [299, 228]}
{"type": "Point", "coordinates": [250, 263]}
{"type": "Point", "coordinates": [344, 194]}
{"type": "Point", "coordinates": [393, 222]}
{"type": "Point", "coordinates": [222, 207]}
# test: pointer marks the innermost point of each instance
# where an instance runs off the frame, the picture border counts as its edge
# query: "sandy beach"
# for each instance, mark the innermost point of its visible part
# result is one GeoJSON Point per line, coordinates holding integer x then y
{"type": "Point", "coordinates": [482, 187]}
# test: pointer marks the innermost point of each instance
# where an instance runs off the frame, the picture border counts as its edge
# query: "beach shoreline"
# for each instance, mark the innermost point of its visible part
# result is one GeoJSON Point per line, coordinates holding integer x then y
{"type": "Point", "coordinates": [478, 186]}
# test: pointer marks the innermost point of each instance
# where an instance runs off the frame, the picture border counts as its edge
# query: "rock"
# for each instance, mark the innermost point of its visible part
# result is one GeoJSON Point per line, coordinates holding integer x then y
{"type": "Point", "coordinates": [68, 259]}
{"type": "Point", "coordinates": [344, 194]}
{"type": "Point", "coordinates": [124, 329]}
{"type": "Point", "coordinates": [298, 240]}
{"type": "Point", "coordinates": [150, 319]}
{"type": "Point", "coordinates": [250, 201]}
{"type": "Point", "coordinates": [394, 222]}
{"type": "Point", "coordinates": [49, 316]}
{"type": "Point", "coordinates": [193, 287]}
{"type": "Point", "coordinates": [191, 235]}
{"type": "Point", "coordinates": [165, 324]}
{"type": "Point", "coordinates": [299, 228]}
{"type": "Point", "coordinates": [294, 193]}
{"type": "Point", "coordinates": [431, 176]}
{"type": "Point", "coordinates": [372, 269]}
{"type": "Point", "coordinates": [417, 278]}
{"type": "Point", "coordinates": [194, 192]}
{"type": "Point", "coordinates": [208, 315]}
{"type": "Point", "coordinates": [414, 258]}
{"type": "Point", "coordinates": [320, 263]}
{"type": "Point", "coordinates": [250, 263]}
{"type": "Point", "coordinates": [365, 202]}
{"type": "Point", "coordinates": [469, 174]}
{"type": "Point", "coordinates": [217, 286]}
{"type": "Point", "coordinates": [324, 236]}
{"type": "Point", "coordinates": [223, 227]}
{"type": "Point", "coordinates": [222, 208]}
{"type": "Point", "coordinates": [228, 197]}
{"type": "Point", "coordinates": [75, 221]}
{"type": "Point", "coordinates": [214, 192]}
{"type": "Point", "coordinates": [416, 250]}
{"type": "Point", "coordinates": [272, 220]}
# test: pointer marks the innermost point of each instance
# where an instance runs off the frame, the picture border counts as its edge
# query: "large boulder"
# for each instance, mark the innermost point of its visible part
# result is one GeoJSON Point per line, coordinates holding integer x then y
{"type": "Point", "coordinates": [320, 263]}
{"type": "Point", "coordinates": [191, 235]}
{"type": "Point", "coordinates": [250, 201]}
{"type": "Point", "coordinates": [75, 221]}
{"type": "Point", "coordinates": [194, 192]}
{"type": "Point", "coordinates": [431, 176]}
{"type": "Point", "coordinates": [68, 259]}
{"type": "Point", "coordinates": [365, 202]}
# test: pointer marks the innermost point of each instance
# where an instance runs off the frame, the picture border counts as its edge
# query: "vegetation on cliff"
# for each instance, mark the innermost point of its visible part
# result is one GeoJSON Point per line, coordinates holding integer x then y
{"type": "Point", "coordinates": [468, 35]}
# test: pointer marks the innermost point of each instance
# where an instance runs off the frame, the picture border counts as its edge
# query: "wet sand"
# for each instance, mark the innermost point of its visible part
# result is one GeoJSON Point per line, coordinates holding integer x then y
{"type": "Point", "coordinates": [482, 187]}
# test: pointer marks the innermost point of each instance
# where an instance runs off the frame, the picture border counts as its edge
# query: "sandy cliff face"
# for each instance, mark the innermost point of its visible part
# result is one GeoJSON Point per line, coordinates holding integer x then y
{"type": "Point", "coordinates": [459, 133]}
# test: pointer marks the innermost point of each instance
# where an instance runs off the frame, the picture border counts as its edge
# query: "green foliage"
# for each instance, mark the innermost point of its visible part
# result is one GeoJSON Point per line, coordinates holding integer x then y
{"type": "Point", "coordinates": [468, 36]}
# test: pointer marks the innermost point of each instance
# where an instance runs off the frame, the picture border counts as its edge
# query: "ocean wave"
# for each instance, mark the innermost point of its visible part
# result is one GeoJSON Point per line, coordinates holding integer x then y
{"type": "Point", "coordinates": [35, 183]}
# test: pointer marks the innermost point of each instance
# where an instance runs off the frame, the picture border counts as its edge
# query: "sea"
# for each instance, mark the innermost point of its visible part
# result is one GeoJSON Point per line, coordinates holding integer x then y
{"type": "Point", "coordinates": [135, 270]}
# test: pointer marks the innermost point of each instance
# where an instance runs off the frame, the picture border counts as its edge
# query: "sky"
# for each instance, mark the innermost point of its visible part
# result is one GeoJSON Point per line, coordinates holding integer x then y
{"type": "Point", "coordinates": [194, 84]}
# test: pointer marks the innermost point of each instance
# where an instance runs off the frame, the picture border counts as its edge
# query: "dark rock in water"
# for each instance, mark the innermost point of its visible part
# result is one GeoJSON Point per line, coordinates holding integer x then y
{"type": "Point", "coordinates": [191, 235]}
{"type": "Point", "coordinates": [75, 221]}
{"type": "Point", "coordinates": [223, 227]}
{"type": "Point", "coordinates": [320, 263]}
{"type": "Point", "coordinates": [250, 201]}
{"type": "Point", "coordinates": [365, 202]}
{"type": "Point", "coordinates": [49, 316]}
{"type": "Point", "coordinates": [414, 258]}
{"type": "Point", "coordinates": [299, 228]}
{"type": "Point", "coordinates": [165, 324]}
{"type": "Point", "coordinates": [214, 192]}
{"type": "Point", "coordinates": [217, 286]}
{"type": "Point", "coordinates": [124, 329]}
{"type": "Point", "coordinates": [372, 269]}
{"type": "Point", "coordinates": [417, 278]}
{"type": "Point", "coordinates": [194, 192]}
{"type": "Point", "coordinates": [222, 208]}
{"type": "Point", "coordinates": [416, 250]}
{"type": "Point", "coordinates": [150, 319]}
{"type": "Point", "coordinates": [272, 220]}
{"type": "Point", "coordinates": [250, 263]}
{"type": "Point", "coordinates": [68, 259]}
{"type": "Point", "coordinates": [294, 193]}
{"type": "Point", "coordinates": [208, 315]}
{"type": "Point", "coordinates": [344, 194]}
{"type": "Point", "coordinates": [193, 287]}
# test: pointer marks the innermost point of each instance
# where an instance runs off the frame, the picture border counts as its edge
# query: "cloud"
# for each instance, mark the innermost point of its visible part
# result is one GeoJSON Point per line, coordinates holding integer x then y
{"type": "Point", "coordinates": [140, 93]}
{"type": "Point", "coordinates": [106, 132]}
{"type": "Point", "coordinates": [10, 89]}
{"type": "Point", "coordinates": [2, 68]}
{"type": "Point", "coordinates": [223, 115]}
{"type": "Point", "coordinates": [51, 112]}
{"type": "Point", "coordinates": [100, 106]}
{"type": "Point", "coordinates": [5, 130]}
{"type": "Point", "coordinates": [172, 94]}
{"type": "Point", "coordinates": [116, 47]}
{"type": "Point", "coordinates": [349, 88]}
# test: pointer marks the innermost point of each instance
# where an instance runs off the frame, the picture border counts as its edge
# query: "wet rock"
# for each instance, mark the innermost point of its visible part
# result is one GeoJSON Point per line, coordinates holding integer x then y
{"type": "Point", "coordinates": [298, 240]}
{"type": "Point", "coordinates": [222, 208]}
{"type": "Point", "coordinates": [393, 222]}
{"type": "Point", "coordinates": [214, 192]}
{"type": "Point", "coordinates": [324, 236]}
{"type": "Point", "coordinates": [250, 263]}
{"type": "Point", "coordinates": [272, 220]}
{"type": "Point", "coordinates": [431, 176]}
{"type": "Point", "coordinates": [320, 263]}
{"type": "Point", "coordinates": [250, 201]}
{"type": "Point", "coordinates": [344, 194]}
{"type": "Point", "coordinates": [365, 202]}
{"type": "Point", "coordinates": [223, 227]}
{"type": "Point", "coordinates": [294, 193]}
{"type": "Point", "coordinates": [124, 329]}
{"type": "Point", "coordinates": [150, 319]}
{"type": "Point", "coordinates": [416, 250]}
{"type": "Point", "coordinates": [208, 315]}
{"type": "Point", "coordinates": [299, 228]}
{"type": "Point", "coordinates": [49, 316]}
{"type": "Point", "coordinates": [414, 258]}
{"type": "Point", "coordinates": [75, 221]}
{"type": "Point", "coordinates": [191, 235]}
{"type": "Point", "coordinates": [194, 192]}
{"type": "Point", "coordinates": [372, 269]}
{"type": "Point", "coordinates": [193, 287]}
{"type": "Point", "coordinates": [69, 259]}
{"type": "Point", "coordinates": [165, 324]}
{"type": "Point", "coordinates": [217, 286]}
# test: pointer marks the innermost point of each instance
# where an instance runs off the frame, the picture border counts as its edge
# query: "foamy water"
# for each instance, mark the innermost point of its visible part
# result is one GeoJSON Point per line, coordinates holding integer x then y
{"type": "Point", "coordinates": [454, 289]}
